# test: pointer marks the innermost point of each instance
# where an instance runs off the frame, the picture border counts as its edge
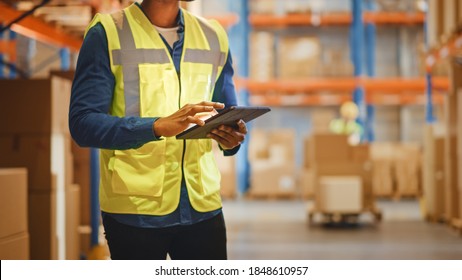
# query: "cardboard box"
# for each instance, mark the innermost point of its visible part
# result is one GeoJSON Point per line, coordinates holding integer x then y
{"type": "Point", "coordinates": [79, 153]}
{"type": "Point", "coordinates": [308, 153]}
{"type": "Point", "coordinates": [259, 144]}
{"type": "Point", "coordinates": [408, 165]}
{"type": "Point", "coordinates": [13, 201]}
{"type": "Point", "coordinates": [329, 148]}
{"type": "Point", "coordinates": [382, 177]}
{"type": "Point", "coordinates": [82, 178]}
{"type": "Point", "coordinates": [34, 113]}
{"type": "Point", "coordinates": [360, 153]}
{"type": "Point", "coordinates": [44, 106]}
{"type": "Point", "coordinates": [297, 7]}
{"type": "Point", "coordinates": [15, 247]}
{"type": "Point", "coordinates": [340, 194]}
{"type": "Point", "coordinates": [335, 63]}
{"type": "Point", "coordinates": [459, 12]}
{"type": "Point", "coordinates": [42, 225]}
{"type": "Point", "coordinates": [298, 57]}
{"type": "Point", "coordinates": [85, 239]}
{"type": "Point", "coordinates": [382, 150]}
{"type": "Point", "coordinates": [273, 163]}
{"type": "Point", "coordinates": [271, 180]}
{"type": "Point", "coordinates": [262, 56]}
{"type": "Point", "coordinates": [284, 141]}
{"type": "Point", "coordinates": [346, 168]}
{"type": "Point", "coordinates": [307, 183]}
{"type": "Point", "coordinates": [72, 222]}
{"type": "Point", "coordinates": [264, 6]}
{"type": "Point", "coordinates": [32, 152]}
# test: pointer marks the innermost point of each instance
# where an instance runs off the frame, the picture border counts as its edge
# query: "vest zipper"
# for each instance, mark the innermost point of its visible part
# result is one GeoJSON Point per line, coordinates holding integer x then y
{"type": "Point", "coordinates": [184, 140]}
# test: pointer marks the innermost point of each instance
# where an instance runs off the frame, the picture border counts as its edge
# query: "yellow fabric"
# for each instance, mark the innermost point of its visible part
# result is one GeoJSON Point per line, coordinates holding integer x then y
{"type": "Point", "coordinates": [148, 180]}
{"type": "Point", "coordinates": [340, 126]}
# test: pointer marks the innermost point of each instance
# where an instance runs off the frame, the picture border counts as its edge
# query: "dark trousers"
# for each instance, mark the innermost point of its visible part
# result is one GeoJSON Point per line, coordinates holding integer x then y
{"type": "Point", "coordinates": [202, 241]}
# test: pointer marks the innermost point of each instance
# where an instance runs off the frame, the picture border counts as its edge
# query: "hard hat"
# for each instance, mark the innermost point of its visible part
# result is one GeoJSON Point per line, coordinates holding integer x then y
{"type": "Point", "coordinates": [349, 110]}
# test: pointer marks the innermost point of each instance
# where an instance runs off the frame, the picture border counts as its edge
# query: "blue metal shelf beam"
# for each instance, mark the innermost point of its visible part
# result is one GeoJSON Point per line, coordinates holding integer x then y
{"type": "Point", "coordinates": [357, 36]}
{"type": "Point", "coordinates": [94, 196]}
{"type": "Point", "coordinates": [371, 42]}
{"type": "Point", "coordinates": [65, 56]}
{"type": "Point", "coordinates": [429, 116]}
{"type": "Point", "coordinates": [2, 57]}
{"type": "Point", "coordinates": [239, 43]}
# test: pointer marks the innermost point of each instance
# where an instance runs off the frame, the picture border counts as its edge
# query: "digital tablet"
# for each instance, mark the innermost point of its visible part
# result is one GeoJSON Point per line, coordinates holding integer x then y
{"type": "Point", "coordinates": [229, 117]}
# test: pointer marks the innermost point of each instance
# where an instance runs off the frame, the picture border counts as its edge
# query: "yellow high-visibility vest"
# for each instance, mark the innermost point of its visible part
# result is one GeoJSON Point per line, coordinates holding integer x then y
{"type": "Point", "coordinates": [147, 180]}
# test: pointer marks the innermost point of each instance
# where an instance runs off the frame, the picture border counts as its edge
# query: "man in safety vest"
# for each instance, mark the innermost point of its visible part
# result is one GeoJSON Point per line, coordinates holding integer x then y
{"type": "Point", "coordinates": [347, 123]}
{"type": "Point", "coordinates": [142, 76]}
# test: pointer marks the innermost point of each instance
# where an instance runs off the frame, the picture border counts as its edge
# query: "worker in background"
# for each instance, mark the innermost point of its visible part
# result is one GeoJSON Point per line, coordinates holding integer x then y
{"type": "Point", "coordinates": [347, 123]}
{"type": "Point", "coordinates": [142, 76]}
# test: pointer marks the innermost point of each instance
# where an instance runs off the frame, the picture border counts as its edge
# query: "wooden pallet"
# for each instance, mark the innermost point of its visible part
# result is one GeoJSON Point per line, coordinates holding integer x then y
{"type": "Point", "coordinates": [342, 217]}
{"type": "Point", "coordinates": [272, 196]}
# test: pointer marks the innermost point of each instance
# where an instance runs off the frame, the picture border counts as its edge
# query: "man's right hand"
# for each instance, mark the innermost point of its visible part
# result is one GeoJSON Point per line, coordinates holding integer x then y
{"type": "Point", "coordinates": [181, 119]}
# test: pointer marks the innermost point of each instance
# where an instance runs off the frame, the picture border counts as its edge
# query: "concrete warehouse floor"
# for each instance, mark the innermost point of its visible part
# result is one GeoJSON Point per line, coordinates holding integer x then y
{"type": "Point", "coordinates": [278, 230]}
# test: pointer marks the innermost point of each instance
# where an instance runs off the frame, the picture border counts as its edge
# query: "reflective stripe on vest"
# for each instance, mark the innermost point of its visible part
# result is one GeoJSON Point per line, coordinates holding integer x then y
{"type": "Point", "coordinates": [129, 57]}
{"type": "Point", "coordinates": [208, 56]}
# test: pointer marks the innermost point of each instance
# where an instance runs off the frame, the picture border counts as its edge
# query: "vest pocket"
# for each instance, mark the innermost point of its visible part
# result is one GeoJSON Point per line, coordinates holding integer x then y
{"type": "Point", "coordinates": [209, 173]}
{"type": "Point", "coordinates": [140, 172]}
{"type": "Point", "coordinates": [201, 89]}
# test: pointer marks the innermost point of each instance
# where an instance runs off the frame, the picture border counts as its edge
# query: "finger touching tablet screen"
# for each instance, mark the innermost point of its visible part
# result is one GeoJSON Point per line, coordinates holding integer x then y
{"type": "Point", "coordinates": [229, 117]}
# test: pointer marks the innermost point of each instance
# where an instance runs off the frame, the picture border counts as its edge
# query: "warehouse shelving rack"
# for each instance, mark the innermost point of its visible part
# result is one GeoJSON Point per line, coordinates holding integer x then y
{"type": "Point", "coordinates": [358, 19]}
{"type": "Point", "coordinates": [366, 88]}
{"type": "Point", "coordinates": [37, 29]}
{"type": "Point", "coordinates": [449, 49]}
{"type": "Point", "coordinates": [335, 18]}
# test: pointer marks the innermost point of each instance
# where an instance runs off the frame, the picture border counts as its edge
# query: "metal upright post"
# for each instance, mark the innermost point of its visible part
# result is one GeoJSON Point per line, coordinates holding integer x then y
{"type": "Point", "coordinates": [371, 32]}
{"type": "Point", "coordinates": [239, 43]}
{"type": "Point", "coordinates": [429, 117]}
{"type": "Point", "coordinates": [356, 46]}
{"type": "Point", "coordinates": [13, 71]}
{"type": "Point", "coordinates": [2, 57]}
{"type": "Point", "coordinates": [65, 56]}
{"type": "Point", "coordinates": [94, 196]}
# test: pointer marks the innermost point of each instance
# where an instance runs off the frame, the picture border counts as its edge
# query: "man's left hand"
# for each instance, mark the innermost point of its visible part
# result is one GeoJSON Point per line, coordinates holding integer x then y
{"type": "Point", "coordinates": [229, 137]}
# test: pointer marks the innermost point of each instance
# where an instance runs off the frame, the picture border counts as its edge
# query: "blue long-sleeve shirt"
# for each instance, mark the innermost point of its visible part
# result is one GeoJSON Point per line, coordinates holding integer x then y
{"type": "Point", "coordinates": [91, 125]}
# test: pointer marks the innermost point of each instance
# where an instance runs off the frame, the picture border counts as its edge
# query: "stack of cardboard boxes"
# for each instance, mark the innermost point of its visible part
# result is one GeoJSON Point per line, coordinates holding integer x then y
{"type": "Point", "coordinates": [383, 170]}
{"type": "Point", "coordinates": [453, 148]}
{"type": "Point", "coordinates": [35, 135]}
{"type": "Point", "coordinates": [272, 161]}
{"type": "Point", "coordinates": [330, 155]}
{"type": "Point", "coordinates": [433, 175]}
{"type": "Point", "coordinates": [298, 57]}
{"type": "Point", "coordinates": [408, 166]}
{"type": "Point", "coordinates": [14, 233]}
{"type": "Point", "coordinates": [396, 169]}
{"type": "Point", "coordinates": [82, 178]}
{"type": "Point", "coordinates": [444, 17]}
{"type": "Point", "coordinates": [294, 57]}
{"type": "Point", "coordinates": [283, 7]}
{"type": "Point", "coordinates": [262, 63]}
